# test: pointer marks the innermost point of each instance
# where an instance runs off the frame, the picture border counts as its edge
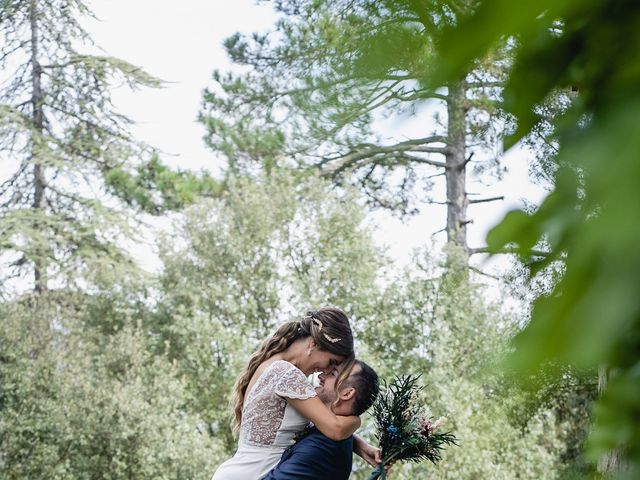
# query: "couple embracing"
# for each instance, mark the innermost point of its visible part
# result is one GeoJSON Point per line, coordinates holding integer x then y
{"type": "Point", "coordinates": [290, 430]}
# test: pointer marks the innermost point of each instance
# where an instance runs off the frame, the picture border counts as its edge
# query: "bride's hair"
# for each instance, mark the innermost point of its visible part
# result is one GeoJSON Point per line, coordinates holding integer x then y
{"type": "Point", "coordinates": [329, 328]}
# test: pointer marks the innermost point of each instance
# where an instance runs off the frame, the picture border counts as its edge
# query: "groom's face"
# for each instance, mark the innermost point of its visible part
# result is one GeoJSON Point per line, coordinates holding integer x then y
{"type": "Point", "coordinates": [327, 389]}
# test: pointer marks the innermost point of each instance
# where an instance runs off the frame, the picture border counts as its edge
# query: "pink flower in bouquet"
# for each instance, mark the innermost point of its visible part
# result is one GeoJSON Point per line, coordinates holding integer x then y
{"type": "Point", "coordinates": [427, 426]}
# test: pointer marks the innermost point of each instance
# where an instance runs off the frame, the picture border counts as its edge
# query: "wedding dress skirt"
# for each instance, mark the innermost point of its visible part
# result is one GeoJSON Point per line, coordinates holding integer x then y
{"type": "Point", "coordinates": [249, 463]}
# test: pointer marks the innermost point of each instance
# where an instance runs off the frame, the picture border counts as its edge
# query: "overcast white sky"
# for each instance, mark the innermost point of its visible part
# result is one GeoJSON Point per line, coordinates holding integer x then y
{"type": "Point", "coordinates": [181, 42]}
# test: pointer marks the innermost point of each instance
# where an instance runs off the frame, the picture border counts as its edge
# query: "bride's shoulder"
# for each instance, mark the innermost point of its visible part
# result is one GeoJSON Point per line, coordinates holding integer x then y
{"type": "Point", "coordinates": [271, 368]}
{"type": "Point", "coordinates": [283, 366]}
{"type": "Point", "coordinates": [281, 369]}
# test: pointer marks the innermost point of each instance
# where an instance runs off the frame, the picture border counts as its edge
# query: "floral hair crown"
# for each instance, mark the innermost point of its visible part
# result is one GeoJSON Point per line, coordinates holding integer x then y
{"type": "Point", "coordinates": [318, 323]}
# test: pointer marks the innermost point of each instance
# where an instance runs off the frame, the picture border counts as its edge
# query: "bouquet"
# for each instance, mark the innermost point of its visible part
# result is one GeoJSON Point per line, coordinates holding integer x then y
{"type": "Point", "coordinates": [404, 432]}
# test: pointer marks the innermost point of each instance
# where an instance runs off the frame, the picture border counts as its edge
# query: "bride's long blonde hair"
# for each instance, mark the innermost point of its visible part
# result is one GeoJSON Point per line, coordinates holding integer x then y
{"type": "Point", "coordinates": [329, 327]}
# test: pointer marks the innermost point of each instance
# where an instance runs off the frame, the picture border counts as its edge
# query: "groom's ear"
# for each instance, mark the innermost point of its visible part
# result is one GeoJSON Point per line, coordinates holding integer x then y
{"type": "Point", "coordinates": [347, 394]}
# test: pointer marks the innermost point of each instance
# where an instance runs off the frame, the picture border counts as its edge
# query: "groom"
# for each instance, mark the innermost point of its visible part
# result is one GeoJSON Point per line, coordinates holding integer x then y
{"type": "Point", "coordinates": [315, 457]}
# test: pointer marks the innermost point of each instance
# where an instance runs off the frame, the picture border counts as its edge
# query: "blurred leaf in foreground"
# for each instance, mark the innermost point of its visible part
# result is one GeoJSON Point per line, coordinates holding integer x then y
{"type": "Point", "coordinates": [591, 219]}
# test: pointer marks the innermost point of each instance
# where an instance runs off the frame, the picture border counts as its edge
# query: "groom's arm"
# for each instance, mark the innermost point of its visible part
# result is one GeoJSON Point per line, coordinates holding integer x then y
{"type": "Point", "coordinates": [315, 457]}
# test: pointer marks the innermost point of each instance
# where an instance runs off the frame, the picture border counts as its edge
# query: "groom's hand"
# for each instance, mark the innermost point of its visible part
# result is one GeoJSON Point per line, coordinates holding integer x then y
{"type": "Point", "coordinates": [370, 454]}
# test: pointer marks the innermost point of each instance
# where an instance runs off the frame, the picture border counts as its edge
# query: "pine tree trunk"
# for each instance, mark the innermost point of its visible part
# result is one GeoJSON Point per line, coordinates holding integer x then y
{"type": "Point", "coordinates": [39, 181]}
{"type": "Point", "coordinates": [457, 201]}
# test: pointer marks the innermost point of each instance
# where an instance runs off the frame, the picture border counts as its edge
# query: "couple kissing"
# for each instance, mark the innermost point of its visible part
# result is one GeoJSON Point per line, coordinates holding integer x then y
{"type": "Point", "coordinates": [287, 428]}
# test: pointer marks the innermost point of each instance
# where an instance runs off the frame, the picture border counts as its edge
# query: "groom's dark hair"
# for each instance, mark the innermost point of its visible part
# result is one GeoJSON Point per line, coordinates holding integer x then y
{"type": "Point", "coordinates": [367, 387]}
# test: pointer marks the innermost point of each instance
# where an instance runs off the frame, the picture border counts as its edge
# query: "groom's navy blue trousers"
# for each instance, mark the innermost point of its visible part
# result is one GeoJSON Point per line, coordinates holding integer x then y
{"type": "Point", "coordinates": [315, 457]}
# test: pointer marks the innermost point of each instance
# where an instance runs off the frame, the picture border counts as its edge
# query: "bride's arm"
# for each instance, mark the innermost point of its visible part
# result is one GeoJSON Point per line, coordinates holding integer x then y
{"type": "Point", "coordinates": [335, 427]}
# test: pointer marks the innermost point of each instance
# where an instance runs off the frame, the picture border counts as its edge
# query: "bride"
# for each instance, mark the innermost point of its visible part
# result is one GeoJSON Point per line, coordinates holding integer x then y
{"type": "Point", "coordinates": [273, 400]}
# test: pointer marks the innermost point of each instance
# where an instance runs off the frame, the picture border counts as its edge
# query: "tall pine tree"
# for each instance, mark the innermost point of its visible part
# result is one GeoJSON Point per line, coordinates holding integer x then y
{"type": "Point", "coordinates": [316, 85]}
{"type": "Point", "coordinates": [68, 159]}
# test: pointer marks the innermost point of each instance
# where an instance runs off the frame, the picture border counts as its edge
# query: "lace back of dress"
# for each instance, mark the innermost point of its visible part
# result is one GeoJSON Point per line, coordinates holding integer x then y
{"type": "Point", "coordinates": [264, 406]}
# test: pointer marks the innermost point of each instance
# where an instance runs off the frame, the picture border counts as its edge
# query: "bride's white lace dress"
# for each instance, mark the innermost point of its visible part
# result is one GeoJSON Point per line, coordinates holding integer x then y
{"type": "Point", "coordinates": [269, 424]}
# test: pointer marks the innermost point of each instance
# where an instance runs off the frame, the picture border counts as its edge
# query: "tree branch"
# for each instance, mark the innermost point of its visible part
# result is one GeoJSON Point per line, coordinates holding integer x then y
{"type": "Point", "coordinates": [398, 150]}
{"type": "Point", "coordinates": [480, 272]}
{"type": "Point", "coordinates": [481, 84]}
{"type": "Point", "coordinates": [489, 199]}
{"type": "Point", "coordinates": [468, 159]}
{"type": "Point", "coordinates": [509, 250]}
{"type": "Point", "coordinates": [441, 174]}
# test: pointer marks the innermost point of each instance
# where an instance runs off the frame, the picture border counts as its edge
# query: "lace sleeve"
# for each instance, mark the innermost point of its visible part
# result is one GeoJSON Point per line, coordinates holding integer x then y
{"type": "Point", "coordinates": [293, 383]}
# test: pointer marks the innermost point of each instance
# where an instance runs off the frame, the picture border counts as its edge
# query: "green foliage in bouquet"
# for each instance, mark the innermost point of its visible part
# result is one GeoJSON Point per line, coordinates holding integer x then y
{"type": "Point", "coordinates": [404, 431]}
